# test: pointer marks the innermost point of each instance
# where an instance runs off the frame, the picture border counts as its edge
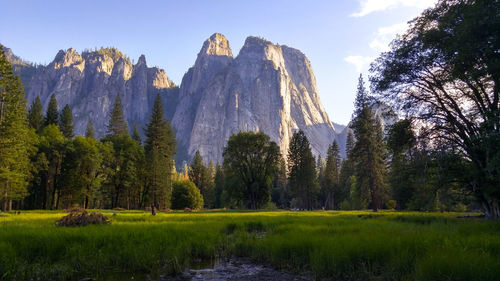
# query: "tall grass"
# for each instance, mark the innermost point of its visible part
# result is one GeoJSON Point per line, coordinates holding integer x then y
{"type": "Point", "coordinates": [332, 245]}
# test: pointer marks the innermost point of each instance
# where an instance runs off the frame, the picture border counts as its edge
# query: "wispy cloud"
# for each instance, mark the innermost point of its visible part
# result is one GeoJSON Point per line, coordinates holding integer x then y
{"type": "Point", "coordinates": [370, 6]}
{"type": "Point", "coordinates": [385, 35]}
{"type": "Point", "coordinates": [359, 62]}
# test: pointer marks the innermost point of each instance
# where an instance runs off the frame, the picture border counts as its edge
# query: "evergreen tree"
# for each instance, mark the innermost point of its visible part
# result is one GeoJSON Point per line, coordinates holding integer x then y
{"type": "Point", "coordinates": [347, 177]}
{"type": "Point", "coordinates": [368, 153]}
{"type": "Point", "coordinates": [117, 124]}
{"type": "Point", "coordinates": [52, 115]}
{"type": "Point", "coordinates": [219, 183]}
{"type": "Point", "coordinates": [330, 182]}
{"type": "Point", "coordinates": [89, 132]}
{"type": "Point", "coordinates": [16, 140]}
{"type": "Point", "coordinates": [35, 115]}
{"type": "Point", "coordinates": [66, 122]}
{"type": "Point", "coordinates": [160, 146]}
{"type": "Point", "coordinates": [302, 177]}
{"type": "Point", "coordinates": [135, 135]}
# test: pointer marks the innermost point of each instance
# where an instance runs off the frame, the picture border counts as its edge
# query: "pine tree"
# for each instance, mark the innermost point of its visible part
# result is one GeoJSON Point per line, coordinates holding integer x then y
{"type": "Point", "coordinates": [16, 140]}
{"type": "Point", "coordinates": [219, 182]}
{"type": "Point", "coordinates": [117, 124]}
{"type": "Point", "coordinates": [135, 135]}
{"type": "Point", "coordinates": [35, 115]}
{"type": "Point", "coordinates": [66, 122]}
{"type": "Point", "coordinates": [90, 132]}
{"type": "Point", "coordinates": [160, 146]}
{"type": "Point", "coordinates": [302, 178]}
{"type": "Point", "coordinates": [52, 115]}
{"type": "Point", "coordinates": [368, 153]}
{"type": "Point", "coordinates": [330, 183]}
{"type": "Point", "coordinates": [347, 177]}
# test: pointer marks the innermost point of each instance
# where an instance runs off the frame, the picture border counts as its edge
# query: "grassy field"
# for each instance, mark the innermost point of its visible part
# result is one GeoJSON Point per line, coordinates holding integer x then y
{"type": "Point", "coordinates": [333, 245]}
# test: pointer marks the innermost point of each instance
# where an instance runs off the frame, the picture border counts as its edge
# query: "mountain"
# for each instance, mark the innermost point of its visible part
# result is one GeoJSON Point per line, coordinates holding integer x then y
{"type": "Point", "coordinates": [267, 87]}
{"type": "Point", "coordinates": [89, 83]}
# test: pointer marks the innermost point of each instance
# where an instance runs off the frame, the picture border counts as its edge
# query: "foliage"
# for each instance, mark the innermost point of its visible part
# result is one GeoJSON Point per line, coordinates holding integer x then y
{"type": "Point", "coordinates": [302, 176]}
{"type": "Point", "coordinates": [185, 194]}
{"type": "Point", "coordinates": [52, 114]}
{"type": "Point", "coordinates": [117, 124]}
{"type": "Point", "coordinates": [90, 132]}
{"type": "Point", "coordinates": [35, 115]}
{"type": "Point", "coordinates": [16, 140]}
{"type": "Point", "coordinates": [250, 165]}
{"type": "Point", "coordinates": [160, 147]}
{"type": "Point", "coordinates": [66, 123]}
{"type": "Point", "coordinates": [330, 178]}
{"type": "Point", "coordinates": [445, 71]}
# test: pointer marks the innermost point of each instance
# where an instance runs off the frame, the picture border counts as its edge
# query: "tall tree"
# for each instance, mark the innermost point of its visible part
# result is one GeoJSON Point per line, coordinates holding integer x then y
{"type": "Point", "coordinates": [302, 171]}
{"type": "Point", "coordinates": [66, 122]}
{"type": "Point", "coordinates": [444, 71]}
{"type": "Point", "coordinates": [117, 124]}
{"type": "Point", "coordinates": [330, 179]}
{"type": "Point", "coordinates": [250, 163]}
{"type": "Point", "coordinates": [368, 153]}
{"type": "Point", "coordinates": [160, 146]}
{"type": "Point", "coordinates": [52, 114]}
{"type": "Point", "coordinates": [90, 132]}
{"type": "Point", "coordinates": [16, 140]}
{"type": "Point", "coordinates": [35, 115]}
{"type": "Point", "coordinates": [219, 184]}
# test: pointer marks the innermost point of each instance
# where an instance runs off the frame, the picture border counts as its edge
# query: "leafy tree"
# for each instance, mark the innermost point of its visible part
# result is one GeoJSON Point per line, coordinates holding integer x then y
{"type": "Point", "coordinates": [117, 124]}
{"type": "Point", "coordinates": [16, 140]}
{"type": "Point", "coordinates": [52, 114]}
{"type": "Point", "coordinates": [250, 164]}
{"type": "Point", "coordinates": [400, 142]}
{"type": "Point", "coordinates": [90, 132]}
{"type": "Point", "coordinates": [202, 177]}
{"type": "Point", "coordinates": [160, 146]}
{"type": "Point", "coordinates": [35, 115]}
{"type": "Point", "coordinates": [186, 195]}
{"type": "Point", "coordinates": [330, 181]}
{"type": "Point", "coordinates": [302, 172]}
{"type": "Point", "coordinates": [368, 153]}
{"type": "Point", "coordinates": [444, 71]}
{"type": "Point", "coordinates": [66, 122]}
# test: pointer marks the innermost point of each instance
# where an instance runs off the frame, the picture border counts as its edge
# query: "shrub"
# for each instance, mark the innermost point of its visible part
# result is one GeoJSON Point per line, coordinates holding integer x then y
{"type": "Point", "coordinates": [82, 218]}
{"type": "Point", "coordinates": [186, 195]}
{"type": "Point", "coordinates": [391, 204]}
{"type": "Point", "coordinates": [345, 205]}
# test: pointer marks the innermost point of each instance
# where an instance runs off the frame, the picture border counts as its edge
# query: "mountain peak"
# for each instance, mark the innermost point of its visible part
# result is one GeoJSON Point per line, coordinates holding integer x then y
{"type": "Point", "coordinates": [216, 45]}
{"type": "Point", "coordinates": [142, 60]}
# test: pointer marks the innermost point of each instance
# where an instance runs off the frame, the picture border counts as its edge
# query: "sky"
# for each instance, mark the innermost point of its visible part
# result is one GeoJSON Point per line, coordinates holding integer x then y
{"type": "Point", "coordinates": [339, 37]}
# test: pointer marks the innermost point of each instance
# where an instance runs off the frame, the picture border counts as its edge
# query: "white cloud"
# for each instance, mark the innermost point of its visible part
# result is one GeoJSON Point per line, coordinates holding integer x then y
{"type": "Point", "coordinates": [370, 6]}
{"type": "Point", "coordinates": [359, 61]}
{"type": "Point", "coordinates": [385, 35]}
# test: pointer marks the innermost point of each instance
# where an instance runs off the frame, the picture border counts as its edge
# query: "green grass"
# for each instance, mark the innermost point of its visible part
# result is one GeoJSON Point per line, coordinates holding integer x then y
{"type": "Point", "coordinates": [333, 245]}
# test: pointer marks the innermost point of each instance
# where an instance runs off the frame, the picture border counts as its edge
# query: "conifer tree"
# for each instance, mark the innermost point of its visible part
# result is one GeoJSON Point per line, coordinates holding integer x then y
{"type": "Point", "coordinates": [66, 122]}
{"type": "Point", "coordinates": [52, 115]}
{"type": "Point", "coordinates": [330, 183]}
{"type": "Point", "coordinates": [90, 132]}
{"type": "Point", "coordinates": [117, 124]}
{"type": "Point", "coordinates": [368, 153]}
{"type": "Point", "coordinates": [160, 146]}
{"type": "Point", "coordinates": [135, 135]}
{"type": "Point", "coordinates": [16, 140]}
{"type": "Point", "coordinates": [347, 177]}
{"type": "Point", "coordinates": [302, 178]}
{"type": "Point", "coordinates": [35, 115]}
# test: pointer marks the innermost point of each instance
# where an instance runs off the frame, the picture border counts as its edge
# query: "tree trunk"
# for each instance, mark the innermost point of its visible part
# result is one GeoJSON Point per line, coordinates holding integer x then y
{"type": "Point", "coordinates": [491, 209]}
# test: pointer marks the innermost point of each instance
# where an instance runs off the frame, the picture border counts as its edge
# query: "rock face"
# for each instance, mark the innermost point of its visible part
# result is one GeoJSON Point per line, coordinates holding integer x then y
{"type": "Point", "coordinates": [90, 82]}
{"type": "Point", "coordinates": [267, 88]}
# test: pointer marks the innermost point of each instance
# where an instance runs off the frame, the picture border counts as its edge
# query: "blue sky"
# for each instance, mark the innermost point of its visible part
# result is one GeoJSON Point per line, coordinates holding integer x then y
{"type": "Point", "coordinates": [340, 37]}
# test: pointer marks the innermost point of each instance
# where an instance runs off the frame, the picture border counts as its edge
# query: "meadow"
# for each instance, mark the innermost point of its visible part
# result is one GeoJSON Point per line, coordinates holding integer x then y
{"type": "Point", "coordinates": [331, 245]}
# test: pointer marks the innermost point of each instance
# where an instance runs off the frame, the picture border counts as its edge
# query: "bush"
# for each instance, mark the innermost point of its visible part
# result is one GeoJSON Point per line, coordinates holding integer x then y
{"type": "Point", "coordinates": [391, 204]}
{"type": "Point", "coordinates": [345, 205]}
{"type": "Point", "coordinates": [186, 195]}
{"type": "Point", "coordinates": [82, 218]}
